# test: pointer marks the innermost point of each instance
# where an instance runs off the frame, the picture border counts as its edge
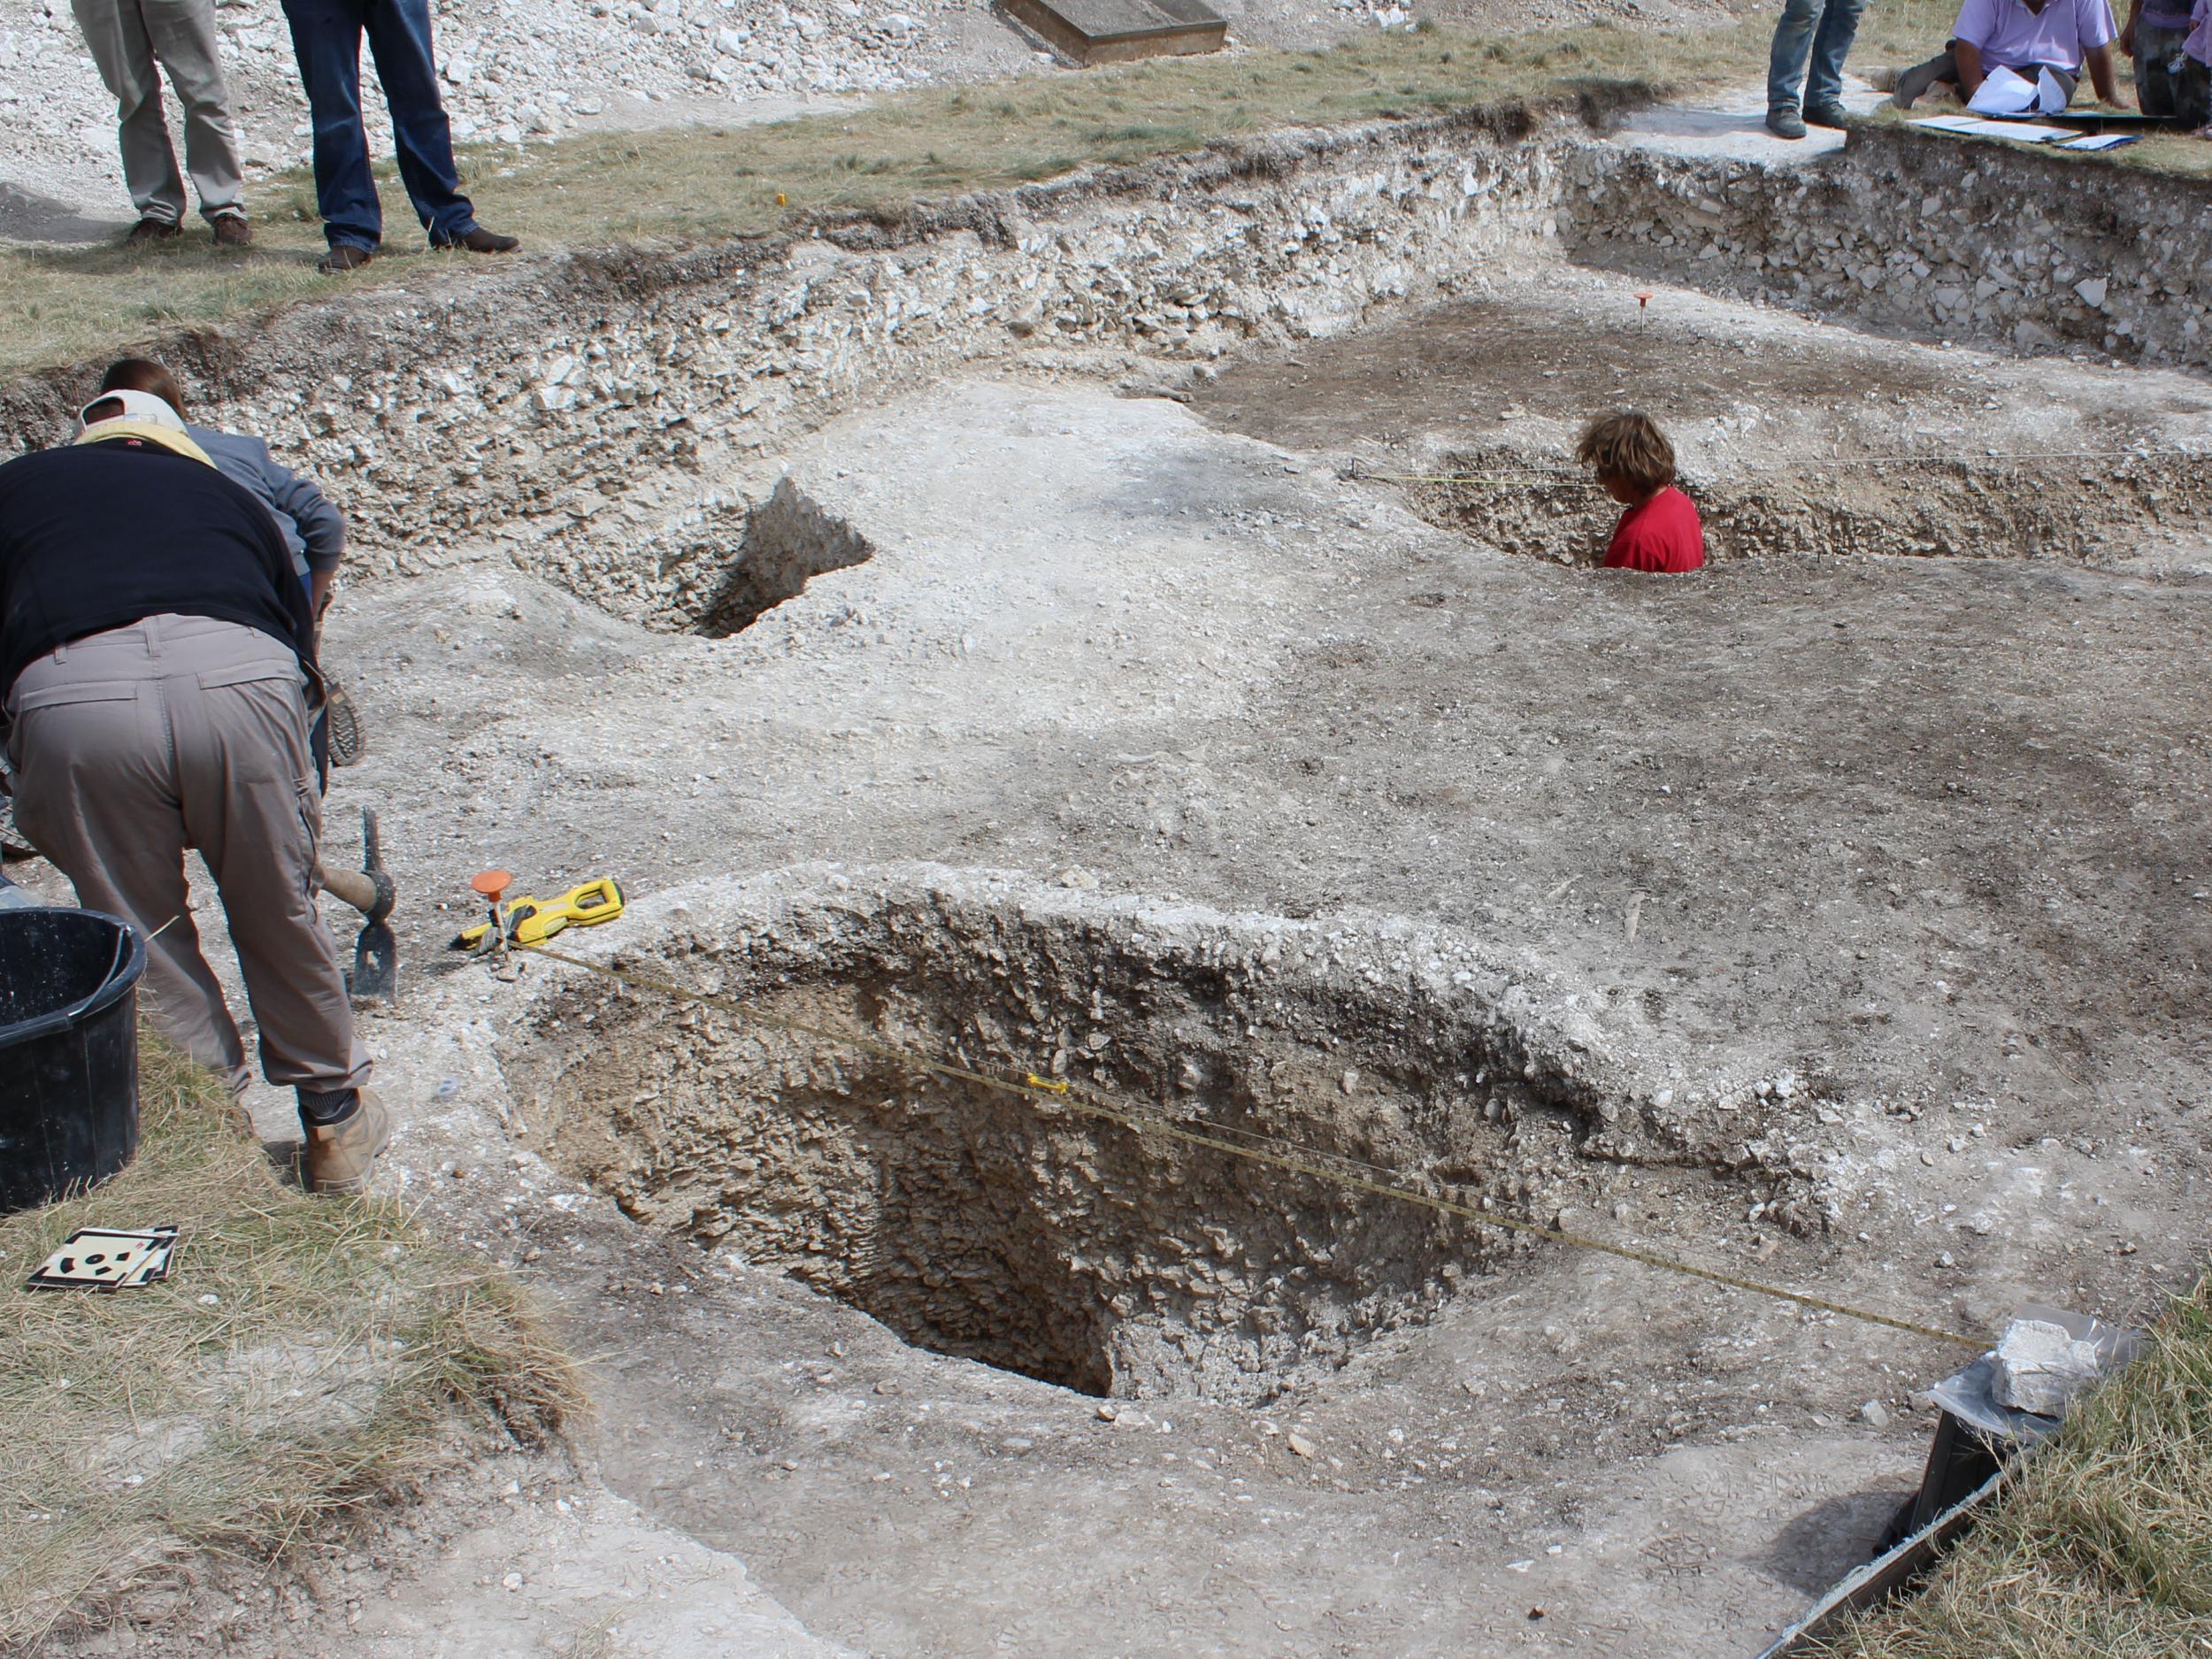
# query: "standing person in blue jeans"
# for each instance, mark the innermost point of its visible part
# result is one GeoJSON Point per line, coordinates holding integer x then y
{"type": "Point", "coordinates": [1822, 30]}
{"type": "Point", "coordinates": [326, 40]}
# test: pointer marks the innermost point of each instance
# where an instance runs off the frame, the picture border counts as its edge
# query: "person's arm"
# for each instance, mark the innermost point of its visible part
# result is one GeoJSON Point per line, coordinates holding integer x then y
{"type": "Point", "coordinates": [2127, 29]}
{"type": "Point", "coordinates": [2098, 59]}
{"type": "Point", "coordinates": [321, 527]}
{"type": "Point", "coordinates": [319, 584]}
{"type": "Point", "coordinates": [1967, 58]}
{"type": "Point", "coordinates": [2094, 21]}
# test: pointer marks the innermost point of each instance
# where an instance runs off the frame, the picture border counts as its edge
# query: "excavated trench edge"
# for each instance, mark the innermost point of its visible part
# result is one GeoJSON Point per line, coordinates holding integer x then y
{"type": "Point", "coordinates": [610, 452]}
{"type": "Point", "coordinates": [1031, 1237]}
{"type": "Point", "coordinates": [1936, 509]}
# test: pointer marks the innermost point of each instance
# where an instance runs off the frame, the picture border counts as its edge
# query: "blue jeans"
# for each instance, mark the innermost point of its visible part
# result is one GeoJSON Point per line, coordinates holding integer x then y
{"type": "Point", "coordinates": [1824, 32]}
{"type": "Point", "coordinates": [326, 40]}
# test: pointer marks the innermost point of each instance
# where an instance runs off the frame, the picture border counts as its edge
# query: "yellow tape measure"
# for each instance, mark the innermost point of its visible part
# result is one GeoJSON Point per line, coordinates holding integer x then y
{"type": "Point", "coordinates": [532, 921]}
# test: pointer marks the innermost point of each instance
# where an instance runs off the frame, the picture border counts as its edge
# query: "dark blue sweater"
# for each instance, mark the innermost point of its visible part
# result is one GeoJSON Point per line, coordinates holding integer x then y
{"type": "Point", "coordinates": [100, 535]}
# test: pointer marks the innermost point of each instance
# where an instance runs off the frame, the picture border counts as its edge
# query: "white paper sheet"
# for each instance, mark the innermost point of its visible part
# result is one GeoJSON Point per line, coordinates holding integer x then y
{"type": "Point", "coordinates": [2021, 132]}
{"type": "Point", "coordinates": [1949, 123]}
{"type": "Point", "coordinates": [2003, 93]}
{"type": "Point", "coordinates": [2099, 141]}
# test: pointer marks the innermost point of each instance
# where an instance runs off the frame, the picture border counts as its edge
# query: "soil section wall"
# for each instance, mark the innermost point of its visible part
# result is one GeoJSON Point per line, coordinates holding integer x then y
{"type": "Point", "coordinates": [608, 421]}
{"type": "Point", "coordinates": [1920, 235]}
{"type": "Point", "coordinates": [441, 415]}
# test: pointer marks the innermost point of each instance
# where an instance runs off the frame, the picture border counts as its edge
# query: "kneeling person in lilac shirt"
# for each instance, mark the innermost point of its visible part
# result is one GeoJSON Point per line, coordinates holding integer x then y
{"type": "Point", "coordinates": [2025, 37]}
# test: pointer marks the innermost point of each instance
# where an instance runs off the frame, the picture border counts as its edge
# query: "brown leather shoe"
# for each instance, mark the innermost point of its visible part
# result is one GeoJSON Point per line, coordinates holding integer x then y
{"type": "Point", "coordinates": [150, 230]}
{"type": "Point", "coordinates": [231, 231]}
{"type": "Point", "coordinates": [344, 257]}
{"type": "Point", "coordinates": [478, 240]}
{"type": "Point", "coordinates": [339, 1155]}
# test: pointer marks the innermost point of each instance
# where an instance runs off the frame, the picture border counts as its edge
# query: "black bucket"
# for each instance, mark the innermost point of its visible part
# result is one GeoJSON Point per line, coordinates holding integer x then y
{"type": "Point", "coordinates": [68, 1051]}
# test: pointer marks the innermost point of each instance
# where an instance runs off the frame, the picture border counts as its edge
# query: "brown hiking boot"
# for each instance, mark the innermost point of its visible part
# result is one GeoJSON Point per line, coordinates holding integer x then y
{"type": "Point", "coordinates": [339, 1155]}
{"type": "Point", "coordinates": [476, 239]}
{"type": "Point", "coordinates": [342, 258]}
{"type": "Point", "coordinates": [231, 231]}
{"type": "Point", "coordinates": [347, 742]}
{"type": "Point", "coordinates": [151, 230]}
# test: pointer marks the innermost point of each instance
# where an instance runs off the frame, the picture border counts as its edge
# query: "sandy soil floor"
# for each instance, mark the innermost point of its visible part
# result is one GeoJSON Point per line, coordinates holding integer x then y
{"type": "Point", "coordinates": [1924, 835]}
{"type": "Point", "coordinates": [1909, 852]}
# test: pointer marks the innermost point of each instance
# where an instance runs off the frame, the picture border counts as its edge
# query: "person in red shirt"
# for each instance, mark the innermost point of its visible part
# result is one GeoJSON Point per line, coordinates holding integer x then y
{"type": "Point", "coordinates": [1635, 466]}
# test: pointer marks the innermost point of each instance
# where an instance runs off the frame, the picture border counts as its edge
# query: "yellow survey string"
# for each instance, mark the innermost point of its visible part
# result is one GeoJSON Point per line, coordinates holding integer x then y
{"type": "Point", "coordinates": [1273, 1153]}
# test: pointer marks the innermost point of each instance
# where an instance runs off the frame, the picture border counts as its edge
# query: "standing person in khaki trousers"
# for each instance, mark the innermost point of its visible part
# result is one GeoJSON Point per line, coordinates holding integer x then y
{"type": "Point", "coordinates": [132, 41]}
{"type": "Point", "coordinates": [157, 657]}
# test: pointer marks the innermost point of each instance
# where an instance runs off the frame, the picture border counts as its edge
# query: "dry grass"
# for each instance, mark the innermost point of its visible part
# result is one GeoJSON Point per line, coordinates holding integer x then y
{"type": "Point", "coordinates": [304, 1357]}
{"type": "Point", "coordinates": [2177, 155]}
{"type": "Point", "coordinates": [2103, 1551]}
{"type": "Point", "coordinates": [698, 185]}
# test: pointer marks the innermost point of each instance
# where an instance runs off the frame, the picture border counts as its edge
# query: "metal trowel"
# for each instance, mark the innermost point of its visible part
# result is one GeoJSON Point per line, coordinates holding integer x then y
{"type": "Point", "coordinates": [375, 976]}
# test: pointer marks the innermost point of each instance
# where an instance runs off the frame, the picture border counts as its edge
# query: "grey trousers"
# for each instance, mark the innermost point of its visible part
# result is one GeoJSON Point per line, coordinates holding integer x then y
{"type": "Point", "coordinates": [2158, 61]}
{"type": "Point", "coordinates": [132, 41]}
{"type": "Point", "coordinates": [181, 732]}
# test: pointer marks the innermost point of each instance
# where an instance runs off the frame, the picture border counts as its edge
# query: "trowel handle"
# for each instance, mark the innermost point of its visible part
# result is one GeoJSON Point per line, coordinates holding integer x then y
{"type": "Point", "coordinates": [355, 886]}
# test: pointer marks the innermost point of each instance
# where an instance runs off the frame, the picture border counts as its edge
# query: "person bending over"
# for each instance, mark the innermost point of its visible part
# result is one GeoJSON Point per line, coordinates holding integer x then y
{"type": "Point", "coordinates": [2025, 37]}
{"type": "Point", "coordinates": [312, 527]}
{"type": "Point", "coordinates": [156, 669]}
{"type": "Point", "coordinates": [1635, 465]}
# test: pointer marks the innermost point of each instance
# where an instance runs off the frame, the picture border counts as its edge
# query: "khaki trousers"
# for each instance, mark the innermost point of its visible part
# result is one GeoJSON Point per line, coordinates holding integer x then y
{"type": "Point", "coordinates": [130, 747]}
{"type": "Point", "coordinates": [131, 41]}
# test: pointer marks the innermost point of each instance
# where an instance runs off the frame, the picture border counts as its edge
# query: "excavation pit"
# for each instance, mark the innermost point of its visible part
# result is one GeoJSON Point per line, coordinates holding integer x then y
{"type": "Point", "coordinates": [789, 541]}
{"type": "Point", "coordinates": [1834, 446]}
{"type": "Point", "coordinates": [1023, 1232]}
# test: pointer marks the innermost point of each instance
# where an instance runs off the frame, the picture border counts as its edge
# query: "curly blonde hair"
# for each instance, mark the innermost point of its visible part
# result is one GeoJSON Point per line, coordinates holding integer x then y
{"type": "Point", "coordinates": [1629, 446]}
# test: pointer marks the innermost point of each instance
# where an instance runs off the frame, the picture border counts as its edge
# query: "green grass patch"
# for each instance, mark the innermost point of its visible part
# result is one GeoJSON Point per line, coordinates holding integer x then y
{"type": "Point", "coordinates": [304, 1357]}
{"type": "Point", "coordinates": [2103, 1548]}
{"type": "Point", "coordinates": [701, 185]}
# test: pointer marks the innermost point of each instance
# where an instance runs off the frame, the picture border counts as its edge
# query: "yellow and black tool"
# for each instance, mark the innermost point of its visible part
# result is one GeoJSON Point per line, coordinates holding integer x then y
{"type": "Point", "coordinates": [532, 921]}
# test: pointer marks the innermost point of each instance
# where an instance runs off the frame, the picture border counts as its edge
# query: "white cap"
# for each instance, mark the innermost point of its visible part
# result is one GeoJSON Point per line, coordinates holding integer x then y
{"type": "Point", "coordinates": [139, 406]}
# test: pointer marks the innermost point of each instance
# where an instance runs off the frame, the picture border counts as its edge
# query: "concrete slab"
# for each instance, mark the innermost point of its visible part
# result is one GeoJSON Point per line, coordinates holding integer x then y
{"type": "Point", "coordinates": [1734, 128]}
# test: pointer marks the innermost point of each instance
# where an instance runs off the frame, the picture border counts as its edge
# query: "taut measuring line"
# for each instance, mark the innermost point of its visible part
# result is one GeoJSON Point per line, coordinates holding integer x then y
{"type": "Point", "coordinates": [1296, 1159]}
